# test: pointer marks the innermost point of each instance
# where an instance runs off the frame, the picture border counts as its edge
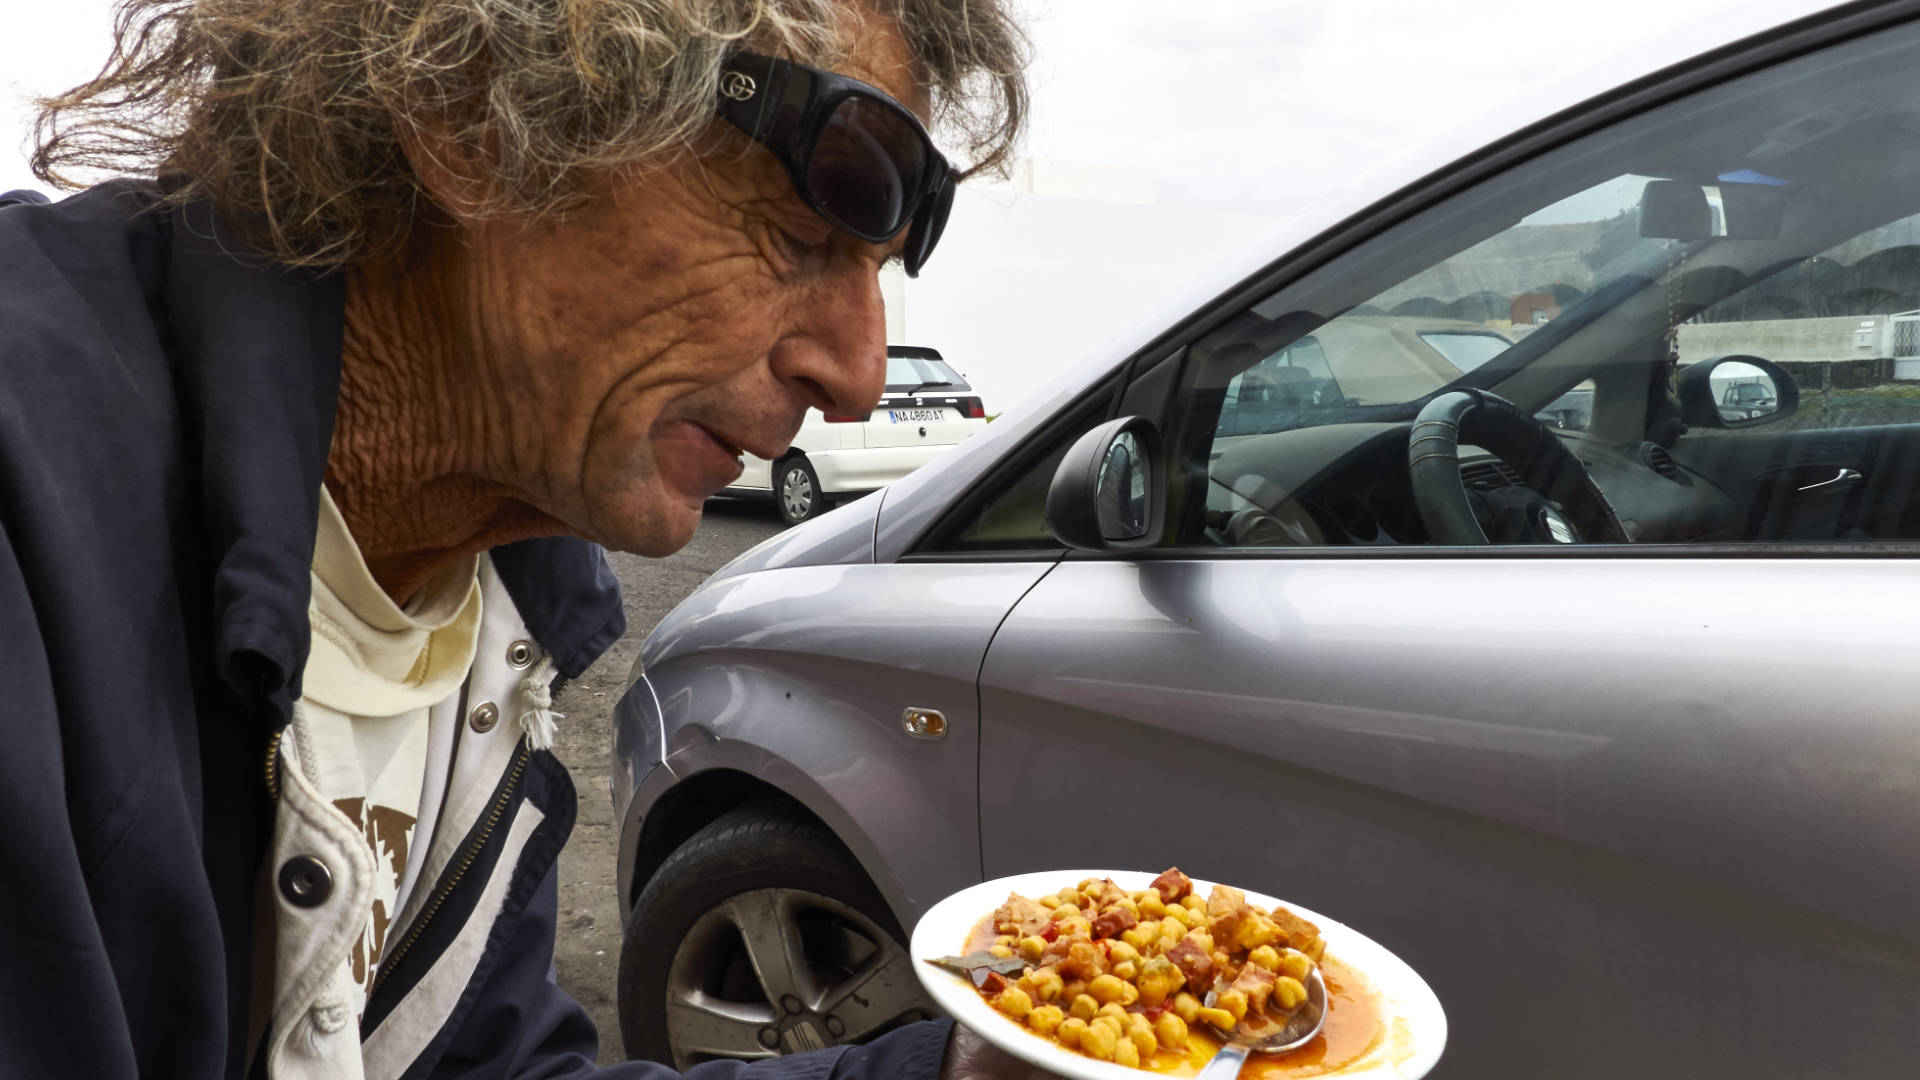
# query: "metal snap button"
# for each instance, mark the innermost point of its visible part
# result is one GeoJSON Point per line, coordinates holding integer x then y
{"type": "Point", "coordinates": [483, 717]}
{"type": "Point", "coordinates": [520, 654]}
{"type": "Point", "coordinates": [305, 881]}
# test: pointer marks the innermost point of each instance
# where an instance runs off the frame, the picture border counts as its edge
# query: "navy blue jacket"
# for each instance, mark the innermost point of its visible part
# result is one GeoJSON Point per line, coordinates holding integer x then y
{"type": "Point", "coordinates": [166, 408]}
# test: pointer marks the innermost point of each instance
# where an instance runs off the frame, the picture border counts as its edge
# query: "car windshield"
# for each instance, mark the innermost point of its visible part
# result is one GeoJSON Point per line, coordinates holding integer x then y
{"type": "Point", "coordinates": [1673, 242]}
{"type": "Point", "coordinates": [911, 372]}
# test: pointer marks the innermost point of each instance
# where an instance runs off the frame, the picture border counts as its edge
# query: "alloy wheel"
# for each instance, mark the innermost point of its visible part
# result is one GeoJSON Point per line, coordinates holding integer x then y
{"type": "Point", "coordinates": [778, 971]}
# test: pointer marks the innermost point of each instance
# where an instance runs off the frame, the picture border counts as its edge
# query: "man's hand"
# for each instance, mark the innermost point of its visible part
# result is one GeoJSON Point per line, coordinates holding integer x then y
{"type": "Point", "coordinates": [970, 1057]}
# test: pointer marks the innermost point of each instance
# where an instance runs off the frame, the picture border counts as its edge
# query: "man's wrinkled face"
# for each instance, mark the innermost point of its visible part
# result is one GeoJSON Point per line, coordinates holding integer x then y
{"type": "Point", "coordinates": [686, 315]}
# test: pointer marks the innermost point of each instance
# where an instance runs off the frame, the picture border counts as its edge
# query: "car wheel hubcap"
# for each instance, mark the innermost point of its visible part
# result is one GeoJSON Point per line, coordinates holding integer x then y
{"type": "Point", "coordinates": [796, 493]}
{"type": "Point", "coordinates": [780, 971]}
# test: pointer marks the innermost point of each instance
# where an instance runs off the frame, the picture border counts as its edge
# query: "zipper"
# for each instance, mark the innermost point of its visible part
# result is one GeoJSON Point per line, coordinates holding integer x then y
{"type": "Point", "coordinates": [449, 880]}
{"type": "Point", "coordinates": [273, 766]}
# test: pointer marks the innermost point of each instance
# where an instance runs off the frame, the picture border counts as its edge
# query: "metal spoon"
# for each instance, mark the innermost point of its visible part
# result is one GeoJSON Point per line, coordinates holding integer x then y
{"type": "Point", "coordinates": [1269, 1038]}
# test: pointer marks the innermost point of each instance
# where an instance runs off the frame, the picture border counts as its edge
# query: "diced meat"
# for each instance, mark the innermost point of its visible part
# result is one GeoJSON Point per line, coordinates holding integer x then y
{"type": "Point", "coordinates": [1112, 921]}
{"type": "Point", "coordinates": [1226, 906]}
{"type": "Point", "coordinates": [1194, 964]}
{"type": "Point", "coordinates": [1298, 932]}
{"type": "Point", "coordinates": [1173, 885]}
{"type": "Point", "coordinates": [1084, 961]}
{"type": "Point", "coordinates": [1020, 917]}
{"type": "Point", "coordinates": [1257, 983]}
{"type": "Point", "coordinates": [989, 981]}
{"type": "Point", "coordinates": [1056, 949]}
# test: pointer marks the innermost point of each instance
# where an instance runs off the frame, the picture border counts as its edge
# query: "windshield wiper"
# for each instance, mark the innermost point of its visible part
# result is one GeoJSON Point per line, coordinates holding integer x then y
{"type": "Point", "coordinates": [926, 386]}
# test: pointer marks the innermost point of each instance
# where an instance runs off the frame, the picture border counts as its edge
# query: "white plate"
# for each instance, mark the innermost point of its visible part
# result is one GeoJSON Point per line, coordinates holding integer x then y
{"type": "Point", "coordinates": [1414, 1029]}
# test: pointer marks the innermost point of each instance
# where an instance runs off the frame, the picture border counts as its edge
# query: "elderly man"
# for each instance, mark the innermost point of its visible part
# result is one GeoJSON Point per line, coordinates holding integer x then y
{"type": "Point", "coordinates": [305, 447]}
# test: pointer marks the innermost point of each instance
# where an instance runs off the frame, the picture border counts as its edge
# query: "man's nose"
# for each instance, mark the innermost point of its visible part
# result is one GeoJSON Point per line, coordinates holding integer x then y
{"type": "Point", "coordinates": [837, 363]}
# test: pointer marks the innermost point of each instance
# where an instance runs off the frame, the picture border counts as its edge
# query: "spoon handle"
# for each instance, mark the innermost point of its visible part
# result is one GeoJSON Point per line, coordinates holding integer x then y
{"type": "Point", "coordinates": [1225, 1064]}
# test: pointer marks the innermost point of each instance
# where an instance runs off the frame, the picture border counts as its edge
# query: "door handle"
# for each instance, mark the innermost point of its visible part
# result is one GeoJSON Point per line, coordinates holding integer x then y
{"type": "Point", "coordinates": [1841, 479]}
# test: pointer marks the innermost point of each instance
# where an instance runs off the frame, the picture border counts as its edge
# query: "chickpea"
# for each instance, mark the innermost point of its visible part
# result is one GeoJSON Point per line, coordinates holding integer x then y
{"type": "Point", "coordinates": [1046, 1019]}
{"type": "Point", "coordinates": [1186, 1007]}
{"type": "Point", "coordinates": [1004, 939]}
{"type": "Point", "coordinates": [1049, 901]}
{"type": "Point", "coordinates": [1265, 956]}
{"type": "Point", "coordinates": [1159, 978]}
{"type": "Point", "coordinates": [1171, 1031]}
{"type": "Point", "coordinates": [1295, 965]}
{"type": "Point", "coordinates": [1129, 993]}
{"type": "Point", "coordinates": [1219, 1018]}
{"type": "Point", "coordinates": [1289, 993]}
{"type": "Point", "coordinates": [1014, 1002]}
{"type": "Point", "coordinates": [1115, 1013]}
{"type": "Point", "coordinates": [1138, 939]}
{"type": "Point", "coordinates": [1106, 988]}
{"type": "Point", "coordinates": [1127, 969]}
{"type": "Point", "coordinates": [1072, 988]}
{"type": "Point", "coordinates": [1065, 911]}
{"type": "Point", "coordinates": [1151, 906]}
{"type": "Point", "coordinates": [1001, 952]}
{"type": "Point", "coordinates": [1084, 1007]}
{"type": "Point", "coordinates": [1143, 1040]}
{"type": "Point", "coordinates": [1047, 985]}
{"type": "Point", "coordinates": [1122, 952]}
{"type": "Point", "coordinates": [1069, 1032]}
{"type": "Point", "coordinates": [1126, 1053]}
{"type": "Point", "coordinates": [1193, 903]}
{"type": "Point", "coordinates": [1129, 905]}
{"type": "Point", "coordinates": [1235, 1004]}
{"type": "Point", "coordinates": [1032, 947]}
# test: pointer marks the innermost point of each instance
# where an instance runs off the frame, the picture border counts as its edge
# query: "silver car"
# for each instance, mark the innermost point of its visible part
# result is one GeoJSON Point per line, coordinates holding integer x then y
{"type": "Point", "coordinates": [1609, 730]}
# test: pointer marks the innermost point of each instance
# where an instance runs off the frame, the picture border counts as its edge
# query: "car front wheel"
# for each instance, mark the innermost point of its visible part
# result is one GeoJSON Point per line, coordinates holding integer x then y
{"type": "Point", "coordinates": [796, 490]}
{"type": "Point", "coordinates": [758, 937]}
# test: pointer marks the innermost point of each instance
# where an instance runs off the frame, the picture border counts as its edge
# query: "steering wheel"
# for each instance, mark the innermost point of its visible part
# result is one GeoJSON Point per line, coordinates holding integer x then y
{"type": "Point", "coordinates": [1554, 479]}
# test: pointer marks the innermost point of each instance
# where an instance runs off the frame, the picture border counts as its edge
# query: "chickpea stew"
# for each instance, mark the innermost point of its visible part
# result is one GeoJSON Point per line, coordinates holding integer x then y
{"type": "Point", "coordinates": [1124, 976]}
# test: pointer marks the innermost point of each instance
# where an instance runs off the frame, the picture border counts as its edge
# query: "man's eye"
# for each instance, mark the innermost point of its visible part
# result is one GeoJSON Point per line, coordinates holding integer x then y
{"type": "Point", "coordinates": [795, 248]}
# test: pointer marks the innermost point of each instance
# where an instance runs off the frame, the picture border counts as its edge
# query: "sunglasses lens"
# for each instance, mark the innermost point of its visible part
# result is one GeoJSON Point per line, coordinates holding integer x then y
{"type": "Point", "coordinates": [867, 165]}
{"type": "Point", "coordinates": [927, 227]}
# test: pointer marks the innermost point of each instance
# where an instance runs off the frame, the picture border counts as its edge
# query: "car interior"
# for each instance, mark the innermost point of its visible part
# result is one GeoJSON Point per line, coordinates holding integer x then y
{"type": "Point", "coordinates": [1627, 287]}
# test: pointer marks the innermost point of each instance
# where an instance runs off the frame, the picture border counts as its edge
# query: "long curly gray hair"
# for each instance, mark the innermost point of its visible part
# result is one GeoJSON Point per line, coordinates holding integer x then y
{"type": "Point", "coordinates": [286, 113]}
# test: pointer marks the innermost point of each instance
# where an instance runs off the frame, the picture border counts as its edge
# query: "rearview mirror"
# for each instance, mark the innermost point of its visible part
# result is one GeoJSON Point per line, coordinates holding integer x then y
{"type": "Point", "coordinates": [1106, 495]}
{"type": "Point", "coordinates": [1736, 392]}
{"type": "Point", "coordinates": [1678, 210]}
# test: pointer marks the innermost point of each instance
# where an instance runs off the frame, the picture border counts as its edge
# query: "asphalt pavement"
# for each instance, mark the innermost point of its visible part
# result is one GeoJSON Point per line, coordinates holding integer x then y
{"type": "Point", "coordinates": [587, 955]}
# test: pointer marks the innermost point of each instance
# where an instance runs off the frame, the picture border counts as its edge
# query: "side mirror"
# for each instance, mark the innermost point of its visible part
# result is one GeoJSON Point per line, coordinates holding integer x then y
{"type": "Point", "coordinates": [1736, 392]}
{"type": "Point", "coordinates": [1106, 494]}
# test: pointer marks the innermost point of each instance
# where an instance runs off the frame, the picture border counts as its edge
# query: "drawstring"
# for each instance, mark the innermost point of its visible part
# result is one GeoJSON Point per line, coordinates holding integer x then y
{"type": "Point", "coordinates": [538, 720]}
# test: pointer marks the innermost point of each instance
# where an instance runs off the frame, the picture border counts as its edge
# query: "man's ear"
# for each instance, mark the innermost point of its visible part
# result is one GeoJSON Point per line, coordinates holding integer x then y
{"type": "Point", "coordinates": [453, 174]}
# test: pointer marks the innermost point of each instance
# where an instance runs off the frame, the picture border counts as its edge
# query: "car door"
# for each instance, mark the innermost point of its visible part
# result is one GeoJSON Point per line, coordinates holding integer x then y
{"type": "Point", "coordinates": [1641, 808]}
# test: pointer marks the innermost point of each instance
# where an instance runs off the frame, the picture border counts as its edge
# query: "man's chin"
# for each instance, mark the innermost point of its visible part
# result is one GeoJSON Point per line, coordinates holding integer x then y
{"type": "Point", "coordinates": [656, 531]}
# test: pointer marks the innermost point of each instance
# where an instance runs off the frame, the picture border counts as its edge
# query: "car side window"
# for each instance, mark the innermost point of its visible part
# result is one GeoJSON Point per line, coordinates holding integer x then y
{"type": "Point", "coordinates": [1010, 514]}
{"type": "Point", "coordinates": [1677, 329]}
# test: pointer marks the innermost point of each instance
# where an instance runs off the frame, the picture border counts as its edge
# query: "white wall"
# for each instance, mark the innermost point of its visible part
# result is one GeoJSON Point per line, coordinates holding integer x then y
{"type": "Point", "coordinates": [1030, 275]}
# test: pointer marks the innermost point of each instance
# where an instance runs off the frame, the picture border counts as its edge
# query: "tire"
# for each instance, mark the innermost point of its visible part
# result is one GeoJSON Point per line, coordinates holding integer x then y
{"type": "Point", "coordinates": [760, 888]}
{"type": "Point", "coordinates": [796, 491]}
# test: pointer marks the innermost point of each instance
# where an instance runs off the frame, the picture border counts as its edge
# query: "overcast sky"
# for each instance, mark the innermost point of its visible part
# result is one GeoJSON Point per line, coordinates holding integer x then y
{"type": "Point", "coordinates": [1234, 104]}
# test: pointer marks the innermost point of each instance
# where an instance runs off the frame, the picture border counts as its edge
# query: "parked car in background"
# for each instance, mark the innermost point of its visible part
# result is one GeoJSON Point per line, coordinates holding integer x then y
{"type": "Point", "coordinates": [1601, 717]}
{"type": "Point", "coordinates": [927, 408]}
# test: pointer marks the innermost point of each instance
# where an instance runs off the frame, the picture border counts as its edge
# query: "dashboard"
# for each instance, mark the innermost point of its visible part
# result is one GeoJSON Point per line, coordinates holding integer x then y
{"type": "Point", "coordinates": [1347, 484]}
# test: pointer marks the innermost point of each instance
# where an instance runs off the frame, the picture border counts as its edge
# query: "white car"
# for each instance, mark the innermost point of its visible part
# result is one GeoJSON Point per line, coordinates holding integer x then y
{"type": "Point", "coordinates": [927, 409]}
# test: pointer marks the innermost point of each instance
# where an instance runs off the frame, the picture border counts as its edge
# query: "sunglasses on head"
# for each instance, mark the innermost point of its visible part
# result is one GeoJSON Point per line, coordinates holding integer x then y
{"type": "Point", "coordinates": [859, 158]}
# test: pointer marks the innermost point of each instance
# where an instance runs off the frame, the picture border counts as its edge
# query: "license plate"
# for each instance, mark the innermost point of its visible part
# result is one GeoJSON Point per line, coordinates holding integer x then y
{"type": "Point", "coordinates": [915, 416]}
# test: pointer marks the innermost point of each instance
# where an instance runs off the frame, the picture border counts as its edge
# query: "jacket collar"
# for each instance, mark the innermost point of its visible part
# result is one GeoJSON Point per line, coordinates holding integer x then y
{"type": "Point", "coordinates": [258, 351]}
